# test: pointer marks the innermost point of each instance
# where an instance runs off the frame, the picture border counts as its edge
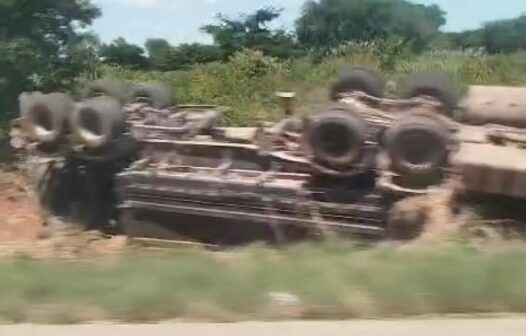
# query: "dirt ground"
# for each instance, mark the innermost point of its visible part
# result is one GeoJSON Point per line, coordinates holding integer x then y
{"type": "Point", "coordinates": [23, 229]}
{"type": "Point", "coordinates": [21, 218]}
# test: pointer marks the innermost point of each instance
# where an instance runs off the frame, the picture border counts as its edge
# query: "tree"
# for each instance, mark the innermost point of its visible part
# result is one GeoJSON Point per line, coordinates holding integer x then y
{"type": "Point", "coordinates": [123, 53]}
{"type": "Point", "coordinates": [467, 39]}
{"type": "Point", "coordinates": [159, 51]}
{"type": "Point", "coordinates": [252, 32]}
{"type": "Point", "coordinates": [164, 57]}
{"type": "Point", "coordinates": [328, 23]}
{"type": "Point", "coordinates": [496, 36]}
{"type": "Point", "coordinates": [84, 52]}
{"type": "Point", "coordinates": [186, 55]}
{"type": "Point", "coordinates": [36, 44]}
{"type": "Point", "coordinates": [505, 35]}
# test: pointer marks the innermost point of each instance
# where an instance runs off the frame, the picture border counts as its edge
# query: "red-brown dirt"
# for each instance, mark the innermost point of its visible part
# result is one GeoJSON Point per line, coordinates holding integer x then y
{"type": "Point", "coordinates": [20, 214]}
{"type": "Point", "coordinates": [23, 232]}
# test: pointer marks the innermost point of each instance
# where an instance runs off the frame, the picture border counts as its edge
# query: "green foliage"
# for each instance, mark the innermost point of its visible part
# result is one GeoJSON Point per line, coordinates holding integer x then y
{"type": "Point", "coordinates": [324, 282]}
{"type": "Point", "coordinates": [123, 53]}
{"type": "Point", "coordinates": [505, 35]}
{"type": "Point", "coordinates": [46, 22]}
{"type": "Point", "coordinates": [158, 53]}
{"type": "Point", "coordinates": [42, 49]}
{"type": "Point", "coordinates": [384, 54]}
{"type": "Point", "coordinates": [502, 36]}
{"type": "Point", "coordinates": [247, 82]}
{"type": "Point", "coordinates": [40, 46]}
{"type": "Point", "coordinates": [187, 55]}
{"type": "Point", "coordinates": [252, 32]}
{"type": "Point", "coordinates": [328, 23]}
{"type": "Point", "coordinates": [165, 57]}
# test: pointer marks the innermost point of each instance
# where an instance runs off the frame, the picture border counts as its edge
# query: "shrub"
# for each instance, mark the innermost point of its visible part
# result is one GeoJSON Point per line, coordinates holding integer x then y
{"type": "Point", "coordinates": [248, 81]}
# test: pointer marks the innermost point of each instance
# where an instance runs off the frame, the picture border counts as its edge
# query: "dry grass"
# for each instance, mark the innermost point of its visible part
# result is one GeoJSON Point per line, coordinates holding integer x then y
{"type": "Point", "coordinates": [426, 219]}
{"type": "Point", "coordinates": [430, 220]}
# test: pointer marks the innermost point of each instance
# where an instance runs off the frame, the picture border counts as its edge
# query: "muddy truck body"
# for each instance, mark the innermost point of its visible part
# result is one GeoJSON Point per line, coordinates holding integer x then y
{"type": "Point", "coordinates": [158, 171]}
{"type": "Point", "coordinates": [73, 150]}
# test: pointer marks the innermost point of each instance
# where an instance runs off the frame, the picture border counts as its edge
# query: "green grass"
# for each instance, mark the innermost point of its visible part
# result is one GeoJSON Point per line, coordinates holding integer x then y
{"type": "Point", "coordinates": [328, 282]}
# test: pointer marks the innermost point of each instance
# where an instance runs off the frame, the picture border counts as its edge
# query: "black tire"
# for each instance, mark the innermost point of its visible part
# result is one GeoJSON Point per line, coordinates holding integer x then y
{"type": "Point", "coordinates": [156, 95]}
{"type": "Point", "coordinates": [335, 137]}
{"type": "Point", "coordinates": [107, 87]}
{"type": "Point", "coordinates": [418, 146]}
{"type": "Point", "coordinates": [97, 121]}
{"type": "Point", "coordinates": [433, 84]}
{"type": "Point", "coordinates": [45, 115]}
{"type": "Point", "coordinates": [359, 79]}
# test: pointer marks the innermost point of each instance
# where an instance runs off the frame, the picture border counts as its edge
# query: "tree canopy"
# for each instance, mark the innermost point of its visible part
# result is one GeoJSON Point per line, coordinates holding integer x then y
{"type": "Point", "coordinates": [252, 32]}
{"type": "Point", "coordinates": [496, 37]}
{"type": "Point", "coordinates": [44, 44]}
{"type": "Point", "coordinates": [328, 23]}
{"type": "Point", "coordinates": [40, 43]}
{"type": "Point", "coordinates": [165, 57]}
{"type": "Point", "coordinates": [123, 53]}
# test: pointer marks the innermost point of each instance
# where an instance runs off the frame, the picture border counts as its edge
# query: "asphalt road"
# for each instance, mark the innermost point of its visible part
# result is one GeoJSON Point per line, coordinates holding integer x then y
{"type": "Point", "coordinates": [438, 327]}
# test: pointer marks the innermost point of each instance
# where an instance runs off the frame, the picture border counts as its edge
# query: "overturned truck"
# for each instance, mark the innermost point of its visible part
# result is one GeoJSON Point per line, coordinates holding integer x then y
{"type": "Point", "coordinates": [132, 161]}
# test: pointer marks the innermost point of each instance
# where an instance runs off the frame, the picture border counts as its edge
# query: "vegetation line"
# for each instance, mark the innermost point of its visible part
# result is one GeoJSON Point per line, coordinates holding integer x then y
{"type": "Point", "coordinates": [256, 283]}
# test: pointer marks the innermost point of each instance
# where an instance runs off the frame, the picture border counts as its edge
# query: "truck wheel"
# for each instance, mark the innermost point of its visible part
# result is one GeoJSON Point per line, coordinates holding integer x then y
{"type": "Point", "coordinates": [45, 114]}
{"type": "Point", "coordinates": [97, 121]}
{"type": "Point", "coordinates": [335, 137]}
{"type": "Point", "coordinates": [418, 146]}
{"type": "Point", "coordinates": [359, 79]}
{"type": "Point", "coordinates": [435, 85]}
{"type": "Point", "coordinates": [107, 87]}
{"type": "Point", "coordinates": [156, 95]}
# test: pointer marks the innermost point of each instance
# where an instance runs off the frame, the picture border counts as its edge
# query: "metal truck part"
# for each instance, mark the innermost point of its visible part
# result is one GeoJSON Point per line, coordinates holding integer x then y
{"type": "Point", "coordinates": [156, 170]}
{"type": "Point", "coordinates": [494, 105]}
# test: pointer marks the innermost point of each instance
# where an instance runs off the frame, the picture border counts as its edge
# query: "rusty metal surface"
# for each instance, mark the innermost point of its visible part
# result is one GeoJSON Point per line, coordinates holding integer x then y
{"type": "Point", "coordinates": [180, 122]}
{"type": "Point", "coordinates": [488, 152]}
{"type": "Point", "coordinates": [191, 180]}
{"type": "Point", "coordinates": [492, 169]}
{"type": "Point", "coordinates": [247, 198]}
{"type": "Point", "coordinates": [472, 134]}
{"type": "Point", "coordinates": [495, 104]}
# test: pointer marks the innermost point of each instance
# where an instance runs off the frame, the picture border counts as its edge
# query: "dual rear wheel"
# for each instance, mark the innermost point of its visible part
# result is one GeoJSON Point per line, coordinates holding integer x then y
{"type": "Point", "coordinates": [417, 144]}
{"type": "Point", "coordinates": [96, 120]}
{"type": "Point", "coordinates": [434, 85]}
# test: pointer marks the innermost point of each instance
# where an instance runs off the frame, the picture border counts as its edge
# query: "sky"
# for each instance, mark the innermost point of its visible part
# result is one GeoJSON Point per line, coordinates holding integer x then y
{"type": "Point", "coordinates": [178, 21]}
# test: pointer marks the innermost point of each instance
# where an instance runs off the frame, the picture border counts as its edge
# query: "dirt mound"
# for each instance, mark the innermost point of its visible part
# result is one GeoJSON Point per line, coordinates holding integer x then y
{"type": "Point", "coordinates": [66, 243]}
{"type": "Point", "coordinates": [430, 221]}
{"type": "Point", "coordinates": [21, 217]}
{"type": "Point", "coordinates": [426, 219]}
{"type": "Point", "coordinates": [26, 232]}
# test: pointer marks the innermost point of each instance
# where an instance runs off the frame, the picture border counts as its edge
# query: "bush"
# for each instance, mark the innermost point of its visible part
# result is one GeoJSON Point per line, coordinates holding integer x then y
{"type": "Point", "coordinates": [248, 81]}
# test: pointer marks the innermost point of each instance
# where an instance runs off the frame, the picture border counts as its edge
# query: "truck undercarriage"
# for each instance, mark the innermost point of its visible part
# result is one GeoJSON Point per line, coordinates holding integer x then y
{"type": "Point", "coordinates": [170, 172]}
